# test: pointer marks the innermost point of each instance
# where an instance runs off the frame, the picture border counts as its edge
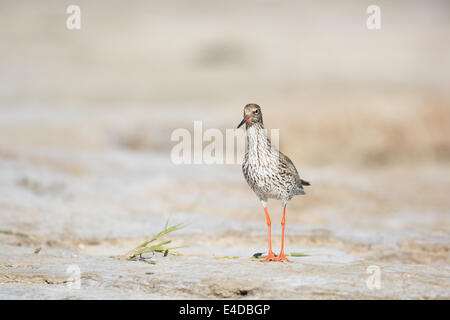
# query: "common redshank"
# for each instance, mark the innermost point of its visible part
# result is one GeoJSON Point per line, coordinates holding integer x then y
{"type": "Point", "coordinates": [268, 172]}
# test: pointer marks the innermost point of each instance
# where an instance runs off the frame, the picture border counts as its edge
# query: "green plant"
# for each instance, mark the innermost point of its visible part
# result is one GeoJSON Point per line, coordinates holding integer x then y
{"type": "Point", "coordinates": [148, 246]}
{"type": "Point", "coordinates": [292, 254]}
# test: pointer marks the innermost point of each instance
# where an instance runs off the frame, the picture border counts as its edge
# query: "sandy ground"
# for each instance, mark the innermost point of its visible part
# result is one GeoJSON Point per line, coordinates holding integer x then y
{"type": "Point", "coordinates": [84, 207]}
{"type": "Point", "coordinates": [86, 174]}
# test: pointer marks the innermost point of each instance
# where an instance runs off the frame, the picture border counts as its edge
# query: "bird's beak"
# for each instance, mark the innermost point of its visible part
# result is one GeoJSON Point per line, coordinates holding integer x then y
{"type": "Point", "coordinates": [246, 118]}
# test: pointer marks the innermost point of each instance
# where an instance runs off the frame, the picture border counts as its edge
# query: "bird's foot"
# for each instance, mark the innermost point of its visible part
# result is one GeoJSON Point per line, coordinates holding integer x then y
{"type": "Point", "coordinates": [270, 257]}
{"type": "Point", "coordinates": [282, 257]}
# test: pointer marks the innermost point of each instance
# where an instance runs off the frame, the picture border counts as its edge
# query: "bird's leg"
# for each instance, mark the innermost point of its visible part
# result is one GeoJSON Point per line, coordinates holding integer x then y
{"type": "Point", "coordinates": [282, 256]}
{"type": "Point", "coordinates": [270, 255]}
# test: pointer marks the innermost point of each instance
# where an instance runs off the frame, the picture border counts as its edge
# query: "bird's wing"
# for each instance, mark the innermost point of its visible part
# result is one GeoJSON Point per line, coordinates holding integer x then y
{"type": "Point", "coordinates": [293, 171]}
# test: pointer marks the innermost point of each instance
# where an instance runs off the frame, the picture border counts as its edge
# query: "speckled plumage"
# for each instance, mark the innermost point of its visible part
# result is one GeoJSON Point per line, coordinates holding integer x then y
{"type": "Point", "coordinates": [268, 172]}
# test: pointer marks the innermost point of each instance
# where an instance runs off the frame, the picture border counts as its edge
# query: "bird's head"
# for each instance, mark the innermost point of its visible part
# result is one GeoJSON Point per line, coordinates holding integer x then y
{"type": "Point", "coordinates": [252, 115]}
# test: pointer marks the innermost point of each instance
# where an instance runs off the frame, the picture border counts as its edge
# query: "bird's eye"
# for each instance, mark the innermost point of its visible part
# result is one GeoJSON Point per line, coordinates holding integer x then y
{"type": "Point", "coordinates": [256, 111]}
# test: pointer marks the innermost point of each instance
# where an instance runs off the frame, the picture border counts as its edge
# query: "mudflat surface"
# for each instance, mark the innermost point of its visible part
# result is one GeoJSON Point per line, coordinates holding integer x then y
{"type": "Point", "coordinates": [83, 208]}
{"type": "Point", "coordinates": [85, 140]}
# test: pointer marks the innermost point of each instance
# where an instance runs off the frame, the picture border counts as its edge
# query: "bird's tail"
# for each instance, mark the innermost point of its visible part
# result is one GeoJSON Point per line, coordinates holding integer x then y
{"type": "Point", "coordinates": [304, 182]}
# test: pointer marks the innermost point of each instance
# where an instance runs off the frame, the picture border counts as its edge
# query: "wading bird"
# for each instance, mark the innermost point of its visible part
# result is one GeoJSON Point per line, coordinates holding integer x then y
{"type": "Point", "coordinates": [268, 172]}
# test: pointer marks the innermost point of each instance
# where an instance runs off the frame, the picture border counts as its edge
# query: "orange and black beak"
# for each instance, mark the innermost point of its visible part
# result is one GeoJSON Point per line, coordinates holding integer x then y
{"type": "Point", "coordinates": [246, 119]}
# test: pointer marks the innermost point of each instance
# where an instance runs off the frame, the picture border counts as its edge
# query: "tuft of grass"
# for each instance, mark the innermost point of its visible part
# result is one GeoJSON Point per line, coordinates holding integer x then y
{"type": "Point", "coordinates": [297, 254]}
{"type": "Point", "coordinates": [258, 255]}
{"type": "Point", "coordinates": [292, 254]}
{"type": "Point", "coordinates": [151, 246]}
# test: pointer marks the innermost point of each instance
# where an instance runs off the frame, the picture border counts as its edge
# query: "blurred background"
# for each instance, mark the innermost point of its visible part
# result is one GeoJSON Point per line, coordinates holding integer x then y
{"type": "Point", "coordinates": [342, 94]}
{"type": "Point", "coordinates": [86, 117]}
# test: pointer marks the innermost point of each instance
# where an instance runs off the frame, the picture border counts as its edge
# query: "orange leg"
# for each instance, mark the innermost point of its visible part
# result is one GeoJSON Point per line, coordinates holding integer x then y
{"type": "Point", "coordinates": [270, 256]}
{"type": "Point", "coordinates": [282, 256]}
